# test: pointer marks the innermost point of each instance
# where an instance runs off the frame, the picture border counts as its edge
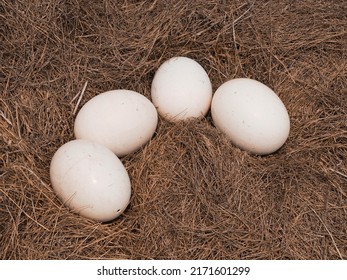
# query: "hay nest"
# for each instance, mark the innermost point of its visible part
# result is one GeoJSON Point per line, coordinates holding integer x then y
{"type": "Point", "coordinates": [195, 195]}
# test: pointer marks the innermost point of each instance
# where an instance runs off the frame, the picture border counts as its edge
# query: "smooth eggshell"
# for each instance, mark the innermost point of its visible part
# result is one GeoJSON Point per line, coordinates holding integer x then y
{"type": "Point", "coordinates": [251, 115]}
{"type": "Point", "coordinates": [121, 120]}
{"type": "Point", "coordinates": [181, 89]}
{"type": "Point", "coordinates": [90, 180]}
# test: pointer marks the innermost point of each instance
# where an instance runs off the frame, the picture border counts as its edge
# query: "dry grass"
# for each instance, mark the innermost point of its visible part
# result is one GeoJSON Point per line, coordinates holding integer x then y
{"type": "Point", "coordinates": [195, 196]}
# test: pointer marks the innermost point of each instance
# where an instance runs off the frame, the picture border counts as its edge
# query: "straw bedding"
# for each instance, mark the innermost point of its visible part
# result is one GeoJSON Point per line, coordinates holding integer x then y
{"type": "Point", "coordinates": [194, 194]}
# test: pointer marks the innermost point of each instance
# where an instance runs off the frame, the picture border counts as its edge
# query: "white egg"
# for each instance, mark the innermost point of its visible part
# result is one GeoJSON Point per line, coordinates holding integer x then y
{"type": "Point", "coordinates": [251, 115]}
{"type": "Point", "coordinates": [181, 89]}
{"type": "Point", "coordinates": [121, 120]}
{"type": "Point", "coordinates": [90, 180]}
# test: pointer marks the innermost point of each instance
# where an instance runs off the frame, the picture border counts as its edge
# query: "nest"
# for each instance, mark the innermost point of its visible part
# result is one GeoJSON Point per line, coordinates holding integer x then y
{"type": "Point", "coordinates": [194, 194]}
